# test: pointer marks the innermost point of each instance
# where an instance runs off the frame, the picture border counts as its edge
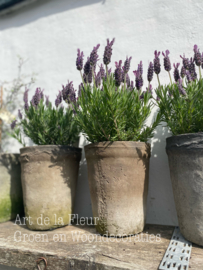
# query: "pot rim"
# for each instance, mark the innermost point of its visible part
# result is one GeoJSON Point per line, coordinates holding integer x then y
{"type": "Point", "coordinates": [50, 146]}
{"type": "Point", "coordinates": [117, 144]}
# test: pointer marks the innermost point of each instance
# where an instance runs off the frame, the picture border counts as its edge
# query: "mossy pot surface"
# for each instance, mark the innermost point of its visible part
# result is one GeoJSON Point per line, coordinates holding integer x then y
{"type": "Point", "coordinates": [185, 155]}
{"type": "Point", "coordinates": [118, 175]}
{"type": "Point", "coordinates": [11, 198]}
{"type": "Point", "coordinates": [49, 178]}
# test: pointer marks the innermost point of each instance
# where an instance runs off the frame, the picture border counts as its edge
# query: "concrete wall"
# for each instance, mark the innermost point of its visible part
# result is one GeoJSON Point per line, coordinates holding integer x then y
{"type": "Point", "coordinates": [48, 33]}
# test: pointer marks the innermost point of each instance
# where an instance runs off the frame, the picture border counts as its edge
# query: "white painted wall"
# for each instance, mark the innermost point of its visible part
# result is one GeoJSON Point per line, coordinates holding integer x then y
{"type": "Point", "coordinates": [48, 33]}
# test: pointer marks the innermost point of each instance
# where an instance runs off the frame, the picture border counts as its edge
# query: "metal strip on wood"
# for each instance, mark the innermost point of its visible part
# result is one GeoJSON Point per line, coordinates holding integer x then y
{"type": "Point", "coordinates": [178, 253]}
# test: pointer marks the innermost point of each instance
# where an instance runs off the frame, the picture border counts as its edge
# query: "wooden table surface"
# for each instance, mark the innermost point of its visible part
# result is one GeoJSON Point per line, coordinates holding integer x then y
{"type": "Point", "coordinates": [79, 247]}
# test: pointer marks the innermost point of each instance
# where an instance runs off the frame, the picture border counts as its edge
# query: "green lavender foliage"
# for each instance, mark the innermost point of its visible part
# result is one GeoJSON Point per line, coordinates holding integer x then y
{"type": "Point", "coordinates": [47, 125]}
{"type": "Point", "coordinates": [182, 113]}
{"type": "Point", "coordinates": [114, 114]}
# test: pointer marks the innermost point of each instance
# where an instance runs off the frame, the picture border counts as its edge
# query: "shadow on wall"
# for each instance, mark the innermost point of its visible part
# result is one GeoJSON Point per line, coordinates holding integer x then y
{"type": "Point", "coordinates": [44, 8]}
{"type": "Point", "coordinates": [160, 204]}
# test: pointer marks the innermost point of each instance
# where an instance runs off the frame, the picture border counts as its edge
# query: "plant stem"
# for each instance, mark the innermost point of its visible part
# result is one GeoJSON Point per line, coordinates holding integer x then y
{"type": "Point", "coordinates": [158, 80]}
{"type": "Point", "coordinates": [82, 78]}
{"type": "Point", "coordinates": [125, 82]}
{"type": "Point", "coordinates": [200, 75]}
{"type": "Point", "coordinates": [170, 77]}
{"type": "Point", "coordinates": [107, 75]}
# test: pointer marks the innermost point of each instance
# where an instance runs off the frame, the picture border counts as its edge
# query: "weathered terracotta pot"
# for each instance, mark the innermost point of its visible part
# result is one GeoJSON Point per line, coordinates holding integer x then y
{"type": "Point", "coordinates": [11, 197]}
{"type": "Point", "coordinates": [185, 155]}
{"type": "Point", "coordinates": [118, 179]}
{"type": "Point", "coordinates": [49, 177]}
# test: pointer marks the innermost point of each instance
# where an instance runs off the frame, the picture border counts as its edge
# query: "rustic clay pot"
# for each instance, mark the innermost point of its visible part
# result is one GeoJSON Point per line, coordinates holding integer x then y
{"type": "Point", "coordinates": [118, 179]}
{"type": "Point", "coordinates": [49, 177]}
{"type": "Point", "coordinates": [11, 197]}
{"type": "Point", "coordinates": [185, 155]}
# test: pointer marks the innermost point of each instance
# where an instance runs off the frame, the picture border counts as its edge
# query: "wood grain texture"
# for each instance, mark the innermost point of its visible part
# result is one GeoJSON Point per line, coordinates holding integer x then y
{"type": "Point", "coordinates": [101, 253]}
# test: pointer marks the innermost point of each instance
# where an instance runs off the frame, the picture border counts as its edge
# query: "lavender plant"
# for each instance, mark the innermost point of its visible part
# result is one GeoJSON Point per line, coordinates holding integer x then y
{"type": "Point", "coordinates": [45, 124]}
{"type": "Point", "coordinates": [109, 107]}
{"type": "Point", "coordinates": [180, 102]}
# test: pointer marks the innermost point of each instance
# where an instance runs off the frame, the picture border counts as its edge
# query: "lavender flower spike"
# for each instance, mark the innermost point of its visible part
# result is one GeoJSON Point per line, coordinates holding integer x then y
{"type": "Point", "coordinates": [197, 56]}
{"type": "Point", "coordinates": [87, 66]}
{"type": "Point", "coordinates": [94, 56]}
{"type": "Point", "coordinates": [58, 99]}
{"type": "Point", "coordinates": [37, 97]}
{"type": "Point", "coordinates": [138, 79]}
{"type": "Point", "coordinates": [183, 72]}
{"type": "Point", "coordinates": [118, 73]}
{"type": "Point", "coordinates": [108, 52]}
{"type": "Point", "coordinates": [140, 68]}
{"type": "Point", "coordinates": [180, 88]}
{"type": "Point", "coordinates": [68, 93]}
{"type": "Point", "coordinates": [20, 114]}
{"type": "Point", "coordinates": [47, 101]}
{"type": "Point", "coordinates": [102, 71]}
{"type": "Point", "coordinates": [157, 65]}
{"type": "Point", "coordinates": [192, 69]}
{"type": "Point", "coordinates": [13, 124]}
{"type": "Point", "coordinates": [25, 99]}
{"type": "Point", "coordinates": [79, 60]}
{"type": "Point", "coordinates": [167, 62]}
{"type": "Point", "coordinates": [176, 72]}
{"type": "Point", "coordinates": [126, 67]}
{"type": "Point", "coordinates": [188, 76]}
{"type": "Point", "coordinates": [185, 62]}
{"type": "Point", "coordinates": [150, 72]}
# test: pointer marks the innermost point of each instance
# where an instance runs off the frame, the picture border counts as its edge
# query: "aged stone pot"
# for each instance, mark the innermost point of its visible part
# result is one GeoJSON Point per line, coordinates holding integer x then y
{"type": "Point", "coordinates": [185, 155]}
{"type": "Point", "coordinates": [11, 197]}
{"type": "Point", "coordinates": [118, 179]}
{"type": "Point", "coordinates": [49, 177]}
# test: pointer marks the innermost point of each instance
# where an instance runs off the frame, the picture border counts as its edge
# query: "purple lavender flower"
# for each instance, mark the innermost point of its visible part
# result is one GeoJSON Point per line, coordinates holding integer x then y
{"type": "Point", "coordinates": [127, 80]}
{"type": "Point", "coordinates": [47, 101]}
{"type": "Point", "coordinates": [138, 79]}
{"type": "Point", "coordinates": [89, 76]}
{"type": "Point", "coordinates": [68, 93]}
{"type": "Point", "coordinates": [58, 99]}
{"type": "Point", "coordinates": [98, 79]}
{"type": "Point", "coordinates": [94, 56]}
{"type": "Point", "coordinates": [157, 65]}
{"type": "Point", "coordinates": [37, 97]}
{"type": "Point", "coordinates": [87, 66]}
{"type": "Point", "coordinates": [183, 72]}
{"type": "Point", "coordinates": [80, 89]}
{"type": "Point", "coordinates": [84, 78]}
{"type": "Point", "coordinates": [25, 99]}
{"type": "Point", "coordinates": [102, 71]}
{"type": "Point", "coordinates": [140, 68]}
{"type": "Point", "coordinates": [131, 85]}
{"type": "Point", "coordinates": [150, 72]}
{"type": "Point", "coordinates": [142, 95]}
{"type": "Point", "coordinates": [185, 62]}
{"type": "Point", "coordinates": [202, 60]}
{"type": "Point", "coordinates": [118, 73]}
{"type": "Point", "coordinates": [79, 60]}
{"type": "Point", "coordinates": [192, 69]}
{"type": "Point", "coordinates": [13, 124]}
{"type": "Point", "coordinates": [176, 72]}
{"type": "Point", "coordinates": [167, 62]}
{"type": "Point", "coordinates": [126, 67]}
{"type": "Point", "coordinates": [197, 56]}
{"type": "Point", "coordinates": [188, 76]}
{"type": "Point", "coordinates": [108, 52]}
{"type": "Point", "coordinates": [20, 114]}
{"type": "Point", "coordinates": [180, 88]}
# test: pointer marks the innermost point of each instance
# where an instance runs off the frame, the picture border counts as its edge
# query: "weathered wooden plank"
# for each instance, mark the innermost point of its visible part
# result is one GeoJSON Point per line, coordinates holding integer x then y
{"type": "Point", "coordinates": [79, 247]}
